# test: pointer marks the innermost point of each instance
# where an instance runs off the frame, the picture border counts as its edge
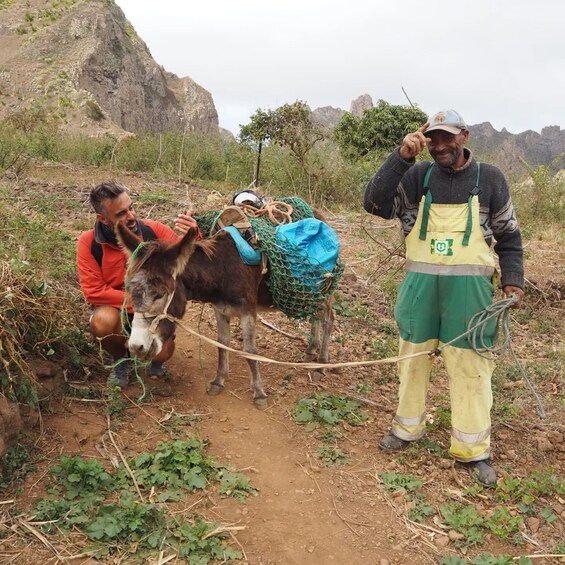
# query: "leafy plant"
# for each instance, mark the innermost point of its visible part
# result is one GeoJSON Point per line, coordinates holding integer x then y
{"type": "Point", "coordinates": [114, 403]}
{"type": "Point", "coordinates": [548, 515]}
{"type": "Point", "coordinates": [502, 524]}
{"type": "Point", "coordinates": [465, 520]}
{"type": "Point", "coordinates": [16, 463]}
{"type": "Point", "coordinates": [442, 418]}
{"type": "Point", "coordinates": [539, 483]}
{"type": "Point", "coordinates": [128, 521]}
{"type": "Point", "coordinates": [395, 481]}
{"type": "Point", "coordinates": [83, 496]}
{"type": "Point", "coordinates": [180, 464]}
{"type": "Point", "coordinates": [235, 484]}
{"type": "Point", "coordinates": [328, 410]}
{"type": "Point", "coordinates": [398, 481]}
{"type": "Point", "coordinates": [332, 455]}
{"type": "Point", "coordinates": [361, 387]}
{"type": "Point", "coordinates": [78, 477]}
{"type": "Point", "coordinates": [486, 559]}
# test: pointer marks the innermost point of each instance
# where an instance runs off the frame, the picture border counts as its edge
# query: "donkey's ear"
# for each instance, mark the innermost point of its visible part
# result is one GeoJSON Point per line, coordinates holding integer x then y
{"type": "Point", "coordinates": [126, 238]}
{"type": "Point", "coordinates": [183, 249]}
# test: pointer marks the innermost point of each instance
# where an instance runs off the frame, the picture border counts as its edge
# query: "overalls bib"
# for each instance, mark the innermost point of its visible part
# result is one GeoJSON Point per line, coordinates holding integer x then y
{"type": "Point", "coordinates": [449, 270]}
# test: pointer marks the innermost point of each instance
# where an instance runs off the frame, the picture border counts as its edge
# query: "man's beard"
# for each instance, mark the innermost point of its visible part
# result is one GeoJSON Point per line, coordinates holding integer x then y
{"type": "Point", "coordinates": [445, 158]}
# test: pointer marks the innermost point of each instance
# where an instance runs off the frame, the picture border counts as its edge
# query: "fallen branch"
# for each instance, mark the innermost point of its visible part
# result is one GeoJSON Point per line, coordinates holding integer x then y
{"type": "Point", "coordinates": [128, 468]}
{"type": "Point", "coordinates": [291, 336]}
{"type": "Point", "coordinates": [223, 529]}
{"type": "Point", "coordinates": [41, 538]}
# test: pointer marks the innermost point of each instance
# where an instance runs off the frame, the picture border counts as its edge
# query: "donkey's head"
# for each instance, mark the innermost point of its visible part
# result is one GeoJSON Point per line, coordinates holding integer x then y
{"type": "Point", "coordinates": [152, 285]}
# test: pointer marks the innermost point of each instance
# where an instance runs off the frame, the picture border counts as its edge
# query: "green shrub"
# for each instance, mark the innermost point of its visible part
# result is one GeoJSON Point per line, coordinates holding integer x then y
{"type": "Point", "coordinates": [93, 111]}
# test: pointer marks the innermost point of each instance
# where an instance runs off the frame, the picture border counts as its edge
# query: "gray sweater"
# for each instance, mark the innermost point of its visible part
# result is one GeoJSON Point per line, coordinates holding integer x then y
{"type": "Point", "coordinates": [398, 186]}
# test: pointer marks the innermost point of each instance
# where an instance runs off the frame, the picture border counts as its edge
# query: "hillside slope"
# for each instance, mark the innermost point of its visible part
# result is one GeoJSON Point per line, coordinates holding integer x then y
{"type": "Point", "coordinates": [83, 60]}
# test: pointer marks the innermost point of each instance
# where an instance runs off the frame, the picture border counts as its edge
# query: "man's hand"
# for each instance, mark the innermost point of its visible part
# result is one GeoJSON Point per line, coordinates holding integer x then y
{"type": "Point", "coordinates": [185, 222]}
{"type": "Point", "coordinates": [414, 143]}
{"type": "Point", "coordinates": [510, 290]}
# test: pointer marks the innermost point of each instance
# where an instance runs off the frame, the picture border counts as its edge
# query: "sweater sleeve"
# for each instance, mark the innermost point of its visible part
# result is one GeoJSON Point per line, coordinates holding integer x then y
{"type": "Point", "coordinates": [382, 189]}
{"type": "Point", "coordinates": [508, 245]}
{"type": "Point", "coordinates": [96, 291]}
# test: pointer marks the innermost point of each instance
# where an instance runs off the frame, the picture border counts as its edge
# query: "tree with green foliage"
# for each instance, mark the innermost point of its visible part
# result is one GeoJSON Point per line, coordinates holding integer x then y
{"type": "Point", "coordinates": [380, 129]}
{"type": "Point", "coordinates": [289, 126]}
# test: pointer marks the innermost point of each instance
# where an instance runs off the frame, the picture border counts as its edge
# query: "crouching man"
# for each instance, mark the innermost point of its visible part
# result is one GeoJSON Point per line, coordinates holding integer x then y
{"type": "Point", "coordinates": [101, 267]}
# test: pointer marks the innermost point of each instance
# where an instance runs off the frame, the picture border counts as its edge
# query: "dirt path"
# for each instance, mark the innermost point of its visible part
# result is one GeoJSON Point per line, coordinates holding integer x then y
{"type": "Point", "coordinates": [304, 512]}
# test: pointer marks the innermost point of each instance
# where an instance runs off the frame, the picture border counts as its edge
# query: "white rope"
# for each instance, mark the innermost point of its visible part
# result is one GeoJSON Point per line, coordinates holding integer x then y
{"type": "Point", "coordinates": [475, 330]}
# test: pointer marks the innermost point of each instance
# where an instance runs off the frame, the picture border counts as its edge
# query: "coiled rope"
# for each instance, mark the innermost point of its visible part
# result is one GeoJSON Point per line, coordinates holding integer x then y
{"type": "Point", "coordinates": [277, 211]}
{"type": "Point", "coordinates": [476, 336]}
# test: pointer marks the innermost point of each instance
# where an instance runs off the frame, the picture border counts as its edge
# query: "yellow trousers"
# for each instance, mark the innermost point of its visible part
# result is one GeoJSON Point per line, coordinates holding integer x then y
{"type": "Point", "coordinates": [470, 392]}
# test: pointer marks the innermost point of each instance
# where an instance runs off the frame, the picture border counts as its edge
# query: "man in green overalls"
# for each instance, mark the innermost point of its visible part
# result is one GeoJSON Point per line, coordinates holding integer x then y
{"type": "Point", "coordinates": [451, 211]}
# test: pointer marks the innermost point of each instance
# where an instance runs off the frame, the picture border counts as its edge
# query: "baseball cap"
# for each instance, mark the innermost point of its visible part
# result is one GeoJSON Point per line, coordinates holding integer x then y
{"type": "Point", "coordinates": [447, 120]}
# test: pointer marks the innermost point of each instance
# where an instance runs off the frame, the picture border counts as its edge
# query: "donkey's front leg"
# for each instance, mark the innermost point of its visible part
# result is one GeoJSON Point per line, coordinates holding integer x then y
{"type": "Point", "coordinates": [223, 324]}
{"type": "Point", "coordinates": [248, 325]}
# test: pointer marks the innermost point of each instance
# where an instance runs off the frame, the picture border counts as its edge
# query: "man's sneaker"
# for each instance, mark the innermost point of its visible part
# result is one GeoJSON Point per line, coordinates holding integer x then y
{"type": "Point", "coordinates": [119, 375]}
{"type": "Point", "coordinates": [393, 443]}
{"type": "Point", "coordinates": [156, 369]}
{"type": "Point", "coordinates": [482, 471]}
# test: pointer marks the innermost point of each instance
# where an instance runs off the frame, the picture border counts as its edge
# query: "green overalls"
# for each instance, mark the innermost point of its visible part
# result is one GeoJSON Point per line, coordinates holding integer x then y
{"type": "Point", "coordinates": [449, 279]}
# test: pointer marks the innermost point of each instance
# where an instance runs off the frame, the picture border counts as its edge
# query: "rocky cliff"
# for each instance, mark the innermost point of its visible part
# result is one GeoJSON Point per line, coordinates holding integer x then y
{"type": "Point", "coordinates": [509, 151]}
{"type": "Point", "coordinates": [83, 60]}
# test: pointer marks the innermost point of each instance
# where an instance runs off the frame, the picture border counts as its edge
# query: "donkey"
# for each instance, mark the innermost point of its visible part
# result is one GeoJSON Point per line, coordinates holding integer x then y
{"type": "Point", "coordinates": [165, 275]}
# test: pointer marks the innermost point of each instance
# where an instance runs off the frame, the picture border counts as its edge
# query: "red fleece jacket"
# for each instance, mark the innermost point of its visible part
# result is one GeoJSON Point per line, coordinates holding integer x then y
{"type": "Point", "coordinates": [104, 285]}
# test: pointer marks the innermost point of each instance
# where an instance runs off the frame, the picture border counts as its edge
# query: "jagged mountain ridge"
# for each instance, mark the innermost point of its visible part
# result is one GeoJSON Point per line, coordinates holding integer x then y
{"type": "Point", "coordinates": [505, 149]}
{"type": "Point", "coordinates": [83, 59]}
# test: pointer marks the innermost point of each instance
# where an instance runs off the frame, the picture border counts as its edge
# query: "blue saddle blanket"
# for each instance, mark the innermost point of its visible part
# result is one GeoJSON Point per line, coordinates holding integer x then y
{"type": "Point", "coordinates": [249, 255]}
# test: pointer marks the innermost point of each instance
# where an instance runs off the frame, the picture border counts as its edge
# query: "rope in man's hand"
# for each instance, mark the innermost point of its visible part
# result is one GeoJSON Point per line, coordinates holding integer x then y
{"type": "Point", "coordinates": [476, 337]}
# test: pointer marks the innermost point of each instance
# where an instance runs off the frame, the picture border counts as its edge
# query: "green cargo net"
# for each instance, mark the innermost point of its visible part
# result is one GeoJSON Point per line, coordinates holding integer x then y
{"type": "Point", "coordinates": [297, 297]}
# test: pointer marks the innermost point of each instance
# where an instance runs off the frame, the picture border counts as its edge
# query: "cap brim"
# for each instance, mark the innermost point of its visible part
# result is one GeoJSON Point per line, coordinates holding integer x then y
{"type": "Point", "coordinates": [450, 129]}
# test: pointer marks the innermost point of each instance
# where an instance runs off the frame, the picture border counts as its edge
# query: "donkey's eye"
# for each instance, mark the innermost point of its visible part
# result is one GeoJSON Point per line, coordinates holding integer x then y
{"type": "Point", "coordinates": [159, 295]}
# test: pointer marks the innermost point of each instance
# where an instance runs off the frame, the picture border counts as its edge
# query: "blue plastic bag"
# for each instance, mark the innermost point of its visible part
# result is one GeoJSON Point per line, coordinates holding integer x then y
{"type": "Point", "coordinates": [313, 250]}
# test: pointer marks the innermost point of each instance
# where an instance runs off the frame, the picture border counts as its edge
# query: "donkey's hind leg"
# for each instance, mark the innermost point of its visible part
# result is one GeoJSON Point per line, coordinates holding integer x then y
{"type": "Point", "coordinates": [223, 324]}
{"type": "Point", "coordinates": [248, 327]}
{"type": "Point", "coordinates": [322, 325]}
{"type": "Point", "coordinates": [311, 353]}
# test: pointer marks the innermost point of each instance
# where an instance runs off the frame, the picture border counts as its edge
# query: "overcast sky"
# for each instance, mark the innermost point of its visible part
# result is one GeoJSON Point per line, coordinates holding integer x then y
{"type": "Point", "coordinates": [497, 61]}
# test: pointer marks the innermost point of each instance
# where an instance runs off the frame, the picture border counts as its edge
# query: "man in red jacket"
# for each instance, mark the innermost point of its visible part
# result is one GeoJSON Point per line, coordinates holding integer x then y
{"type": "Point", "coordinates": [101, 266]}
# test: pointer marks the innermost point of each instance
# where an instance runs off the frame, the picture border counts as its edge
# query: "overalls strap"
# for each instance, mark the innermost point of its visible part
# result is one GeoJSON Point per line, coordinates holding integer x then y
{"type": "Point", "coordinates": [427, 204]}
{"type": "Point", "coordinates": [473, 192]}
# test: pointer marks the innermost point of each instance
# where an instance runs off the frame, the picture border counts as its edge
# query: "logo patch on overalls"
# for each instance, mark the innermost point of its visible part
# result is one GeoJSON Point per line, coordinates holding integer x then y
{"type": "Point", "coordinates": [441, 247]}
